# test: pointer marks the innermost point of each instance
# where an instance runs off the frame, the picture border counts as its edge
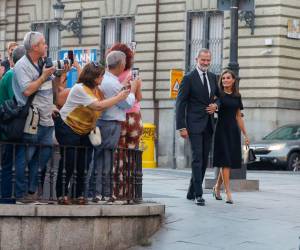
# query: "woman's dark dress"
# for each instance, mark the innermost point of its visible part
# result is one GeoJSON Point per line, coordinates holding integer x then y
{"type": "Point", "coordinates": [227, 143]}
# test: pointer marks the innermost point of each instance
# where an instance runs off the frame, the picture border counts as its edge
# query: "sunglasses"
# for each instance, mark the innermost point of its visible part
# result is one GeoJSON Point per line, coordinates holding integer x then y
{"type": "Point", "coordinates": [30, 36]}
{"type": "Point", "coordinates": [96, 64]}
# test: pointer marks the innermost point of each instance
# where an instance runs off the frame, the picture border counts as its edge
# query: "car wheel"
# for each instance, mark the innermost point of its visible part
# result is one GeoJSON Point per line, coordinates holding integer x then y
{"type": "Point", "coordinates": [294, 162]}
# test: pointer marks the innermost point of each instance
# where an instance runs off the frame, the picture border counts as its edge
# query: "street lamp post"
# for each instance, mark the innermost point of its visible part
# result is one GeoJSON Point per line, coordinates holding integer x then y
{"type": "Point", "coordinates": [234, 66]}
{"type": "Point", "coordinates": [74, 24]}
{"type": "Point", "coordinates": [234, 15]}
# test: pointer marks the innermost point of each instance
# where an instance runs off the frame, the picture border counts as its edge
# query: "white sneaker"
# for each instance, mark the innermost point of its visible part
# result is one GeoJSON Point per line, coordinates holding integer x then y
{"type": "Point", "coordinates": [97, 199]}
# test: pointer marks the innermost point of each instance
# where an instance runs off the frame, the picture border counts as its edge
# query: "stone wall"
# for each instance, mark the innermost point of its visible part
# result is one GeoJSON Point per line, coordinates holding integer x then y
{"type": "Point", "coordinates": [110, 227]}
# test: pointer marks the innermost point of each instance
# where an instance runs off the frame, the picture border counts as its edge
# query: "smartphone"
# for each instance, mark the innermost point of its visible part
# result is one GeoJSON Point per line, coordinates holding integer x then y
{"type": "Point", "coordinates": [134, 73]}
{"type": "Point", "coordinates": [132, 46]}
{"type": "Point", "coordinates": [71, 56]}
{"type": "Point", "coordinates": [125, 87]}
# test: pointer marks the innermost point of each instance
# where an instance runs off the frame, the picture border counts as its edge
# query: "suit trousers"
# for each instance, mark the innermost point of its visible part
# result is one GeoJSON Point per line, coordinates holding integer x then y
{"type": "Point", "coordinates": [200, 146]}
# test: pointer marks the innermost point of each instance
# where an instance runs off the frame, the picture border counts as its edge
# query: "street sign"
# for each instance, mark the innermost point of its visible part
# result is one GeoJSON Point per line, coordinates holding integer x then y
{"type": "Point", "coordinates": [176, 76]}
{"type": "Point", "coordinates": [245, 5]}
{"type": "Point", "coordinates": [83, 56]}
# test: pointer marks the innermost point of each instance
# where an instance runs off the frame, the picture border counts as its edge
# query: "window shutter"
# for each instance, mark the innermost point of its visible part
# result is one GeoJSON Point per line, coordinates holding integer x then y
{"type": "Point", "coordinates": [197, 38]}
{"type": "Point", "coordinates": [126, 31]}
{"type": "Point", "coordinates": [53, 43]}
{"type": "Point", "coordinates": [110, 33]}
{"type": "Point", "coordinates": [216, 26]}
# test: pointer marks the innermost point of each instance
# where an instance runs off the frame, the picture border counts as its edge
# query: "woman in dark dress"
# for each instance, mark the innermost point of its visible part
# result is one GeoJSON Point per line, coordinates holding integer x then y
{"type": "Point", "coordinates": [227, 144]}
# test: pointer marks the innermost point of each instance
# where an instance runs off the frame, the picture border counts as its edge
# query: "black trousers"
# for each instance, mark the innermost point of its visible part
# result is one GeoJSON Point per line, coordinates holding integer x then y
{"type": "Point", "coordinates": [200, 146]}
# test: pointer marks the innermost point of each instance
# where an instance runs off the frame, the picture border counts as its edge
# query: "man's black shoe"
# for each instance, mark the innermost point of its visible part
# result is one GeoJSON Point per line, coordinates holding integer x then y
{"type": "Point", "coordinates": [200, 201]}
{"type": "Point", "coordinates": [190, 196]}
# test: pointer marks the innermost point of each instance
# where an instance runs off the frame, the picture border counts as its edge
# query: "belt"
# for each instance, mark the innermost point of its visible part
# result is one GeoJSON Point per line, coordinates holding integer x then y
{"type": "Point", "coordinates": [116, 121]}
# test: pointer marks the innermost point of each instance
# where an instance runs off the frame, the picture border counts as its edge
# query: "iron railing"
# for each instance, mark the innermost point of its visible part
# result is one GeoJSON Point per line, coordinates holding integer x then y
{"type": "Point", "coordinates": [125, 173]}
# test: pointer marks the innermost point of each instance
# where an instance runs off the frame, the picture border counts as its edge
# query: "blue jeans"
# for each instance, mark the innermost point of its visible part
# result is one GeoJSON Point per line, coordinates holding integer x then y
{"type": "Point", "coordinates": [6, 175]}
{"type": "Point", "coordinates": [36, 157]}
{"type": "Point", "coordinates": [101, 184]}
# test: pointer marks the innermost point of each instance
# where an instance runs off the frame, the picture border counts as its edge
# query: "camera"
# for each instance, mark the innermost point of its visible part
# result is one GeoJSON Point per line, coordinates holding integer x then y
{"type": "Point", "coordinates": [58, 64]}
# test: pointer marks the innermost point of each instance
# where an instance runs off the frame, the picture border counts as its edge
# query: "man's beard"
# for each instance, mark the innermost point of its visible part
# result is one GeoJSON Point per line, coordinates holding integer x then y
{"type": "Point", "coordinates": [203, 68]}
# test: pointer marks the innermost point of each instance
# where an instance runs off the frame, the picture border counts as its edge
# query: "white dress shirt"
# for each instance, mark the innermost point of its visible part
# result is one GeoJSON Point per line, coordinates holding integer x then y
{"type": "Point", "coordinates": [201, 77]}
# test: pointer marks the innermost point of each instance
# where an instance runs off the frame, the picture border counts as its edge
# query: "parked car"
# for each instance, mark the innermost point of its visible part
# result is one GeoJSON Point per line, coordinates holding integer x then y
{"type": "Point", "coordinates": [281, 147]}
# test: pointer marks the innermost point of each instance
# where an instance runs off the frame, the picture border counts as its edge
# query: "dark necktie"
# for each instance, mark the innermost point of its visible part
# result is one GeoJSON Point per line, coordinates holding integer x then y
{"type": "Point", "coordinates": [205, 84]}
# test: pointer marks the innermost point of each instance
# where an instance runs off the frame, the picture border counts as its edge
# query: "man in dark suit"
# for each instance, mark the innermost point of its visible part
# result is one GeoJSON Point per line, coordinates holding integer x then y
{"type": "Point", "coordinates": [195, 105]}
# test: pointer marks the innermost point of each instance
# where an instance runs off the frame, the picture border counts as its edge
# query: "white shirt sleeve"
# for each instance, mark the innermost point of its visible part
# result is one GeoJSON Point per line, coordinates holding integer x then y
{"type": "Point", "coordinates": [78, 96]}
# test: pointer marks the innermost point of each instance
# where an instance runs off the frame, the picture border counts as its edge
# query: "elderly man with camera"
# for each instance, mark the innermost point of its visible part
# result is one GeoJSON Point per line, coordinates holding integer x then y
{"type": "Point", "coordinates": [32, 83]}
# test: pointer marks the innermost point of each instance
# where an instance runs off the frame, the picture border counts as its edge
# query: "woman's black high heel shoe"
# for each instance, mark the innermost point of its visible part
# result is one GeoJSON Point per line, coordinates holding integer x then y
{"type": "Point", "coordinates": [214, 193]}
{"type": "Point", "coordinates": [228, 199]}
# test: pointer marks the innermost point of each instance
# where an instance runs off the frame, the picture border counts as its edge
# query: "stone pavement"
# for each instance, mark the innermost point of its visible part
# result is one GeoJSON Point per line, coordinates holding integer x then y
{"type": "Point", "coordinates": [264, 220]}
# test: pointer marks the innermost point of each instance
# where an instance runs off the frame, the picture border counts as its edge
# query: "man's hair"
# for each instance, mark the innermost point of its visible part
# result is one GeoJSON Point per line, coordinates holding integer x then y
{"type": "Point", "coordinates": [203, 50]}
{"type": "Point", "coordinates": [18, 53]}
{"type": "Point", "coordinates": [11, 44]}
{"type": "Point", "coordinates": [89, 73]}
{"type": "Point", "coordinates": [31, 38]}
{"type": "Point", "coordinates": [114, 58]}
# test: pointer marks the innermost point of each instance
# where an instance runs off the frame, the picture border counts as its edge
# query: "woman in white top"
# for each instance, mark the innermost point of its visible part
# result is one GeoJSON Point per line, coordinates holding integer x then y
{"type": "Point", "coordinates": [77, 119]}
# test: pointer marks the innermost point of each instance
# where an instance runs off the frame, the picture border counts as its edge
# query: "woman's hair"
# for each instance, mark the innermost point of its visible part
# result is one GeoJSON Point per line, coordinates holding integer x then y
{"type": "Point", "coordinates": [235, 90]}
{"type": "Point", "coordinates": [89, 73]}
{"type": "Point", "coordinates": [11, 44]}
{"type": "Point", "coordinates": [126, 50]}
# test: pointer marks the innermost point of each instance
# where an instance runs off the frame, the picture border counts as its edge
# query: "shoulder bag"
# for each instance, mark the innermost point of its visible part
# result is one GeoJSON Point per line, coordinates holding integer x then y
{"type": "Point", "coordinates": [249, 155]}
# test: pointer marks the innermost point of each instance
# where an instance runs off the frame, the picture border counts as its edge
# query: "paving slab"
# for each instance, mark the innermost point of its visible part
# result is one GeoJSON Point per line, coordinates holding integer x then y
{"type": "Point", "coordinates": [268, 219]}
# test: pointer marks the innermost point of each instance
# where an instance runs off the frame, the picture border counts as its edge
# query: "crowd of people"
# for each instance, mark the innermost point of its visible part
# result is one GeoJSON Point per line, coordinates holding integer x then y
{"type": "Point", "coordinates": [101, 113]}
{"type": "Point", "coordinates": [104, 99]}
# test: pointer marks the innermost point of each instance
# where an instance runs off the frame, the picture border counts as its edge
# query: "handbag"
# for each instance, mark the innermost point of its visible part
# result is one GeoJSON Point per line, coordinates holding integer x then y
{"type": "Point", "coordinates": [95, 137]}
{"type": "Point", "coordinates": [13, 126]}
{"type": "Point", "coordinates": [249, 155]}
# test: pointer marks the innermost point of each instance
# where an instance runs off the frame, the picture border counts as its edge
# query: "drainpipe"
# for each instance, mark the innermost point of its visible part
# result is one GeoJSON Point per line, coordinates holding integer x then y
{"type": "Point", "coordinates": [16, 20]}
{"type": "Point", "coordinates": [156, 103]}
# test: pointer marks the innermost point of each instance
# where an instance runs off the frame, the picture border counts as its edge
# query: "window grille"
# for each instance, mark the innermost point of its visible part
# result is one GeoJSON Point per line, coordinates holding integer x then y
{"type": "Point", "coordinates": [205, 30]}
{"type": "Point", "coordinates": [118, 29]}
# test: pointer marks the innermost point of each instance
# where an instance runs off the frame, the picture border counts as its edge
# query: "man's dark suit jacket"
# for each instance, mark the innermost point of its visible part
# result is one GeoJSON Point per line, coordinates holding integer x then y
{"type": "Point", "coordinates": [192, 101]}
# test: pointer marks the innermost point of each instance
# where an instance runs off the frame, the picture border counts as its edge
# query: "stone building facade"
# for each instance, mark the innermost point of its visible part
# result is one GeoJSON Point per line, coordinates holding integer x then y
{"type": "Point", "coordinates": [168, 34]}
